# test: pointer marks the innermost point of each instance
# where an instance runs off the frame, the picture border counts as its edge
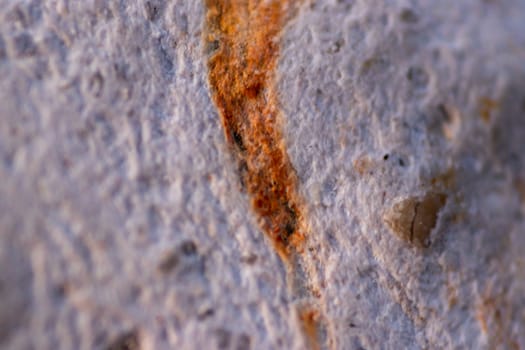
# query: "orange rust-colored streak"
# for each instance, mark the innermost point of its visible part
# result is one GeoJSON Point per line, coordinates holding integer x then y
{"type": "Point", "coordinates": [487, 106]}
{"type": "Point", "coordinates": [310, 323]}
{"type": "Point", "coordinates": [244, 36]}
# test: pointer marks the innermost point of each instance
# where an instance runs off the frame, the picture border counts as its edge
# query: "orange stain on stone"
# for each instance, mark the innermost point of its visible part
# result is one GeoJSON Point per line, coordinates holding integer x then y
{"type": "Point", "coordinates": [242, 40]}
{"type": "Point", "coordinates": [310, 323]}
{"type": "Point", "coordinates": [486, 107]}
{"type": "Point", "coordinates": [494, 315]}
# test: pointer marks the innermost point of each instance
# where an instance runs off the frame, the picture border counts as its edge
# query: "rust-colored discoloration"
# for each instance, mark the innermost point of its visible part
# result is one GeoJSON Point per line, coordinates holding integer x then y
{"type": "Point", "coordinates": [494, 315]}
{"type": "Point", "coordinates": [452, 297]}
{"type": "Point", "coordinates": [363, 165]}
{"type": "Point", "coordinates": [242, 41]}
{"type": "Point", "coordinates": [413, 219]}
{"type": "Point", "coordinates": [486, 107]}
{"type": "Point", "coordinates": [451, 122]}
{"type": "Point", "coordinates": [244, 36]}
{"type": "Point", "coordinates": [310, 323]}
{"type": "Point", "coordinates": [445, 181]}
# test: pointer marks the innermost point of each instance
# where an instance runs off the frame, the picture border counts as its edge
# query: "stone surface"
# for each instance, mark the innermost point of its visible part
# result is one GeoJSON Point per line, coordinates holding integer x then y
{"type": "Point", "coordinates": [123, 220]}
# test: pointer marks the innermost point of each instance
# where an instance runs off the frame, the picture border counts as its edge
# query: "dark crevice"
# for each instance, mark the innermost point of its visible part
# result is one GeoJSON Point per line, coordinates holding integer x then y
{"type": "Point", "coordinates": [413, 222]}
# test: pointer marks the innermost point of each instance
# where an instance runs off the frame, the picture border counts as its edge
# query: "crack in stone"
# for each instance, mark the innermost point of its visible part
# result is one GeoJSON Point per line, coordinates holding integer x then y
{"type": "Point", "coordinates": [413, 222]}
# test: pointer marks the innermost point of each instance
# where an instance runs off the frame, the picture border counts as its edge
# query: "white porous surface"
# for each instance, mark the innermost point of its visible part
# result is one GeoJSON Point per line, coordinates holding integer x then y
{"type": "Point", "coordinates": [381, 99]}
{"type": "Point", "coordinates": [123, 221]}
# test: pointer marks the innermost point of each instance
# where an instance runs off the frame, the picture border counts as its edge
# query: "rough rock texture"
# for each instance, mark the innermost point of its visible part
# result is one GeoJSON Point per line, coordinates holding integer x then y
{"type": "Point", "coordinates": [123, 222]}
{"type": "Point", "coordinates": [394, 100]}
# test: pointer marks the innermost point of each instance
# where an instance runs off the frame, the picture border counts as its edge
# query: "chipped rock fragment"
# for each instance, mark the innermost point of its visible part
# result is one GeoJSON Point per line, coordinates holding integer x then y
{"type": "Point", "coordinates": [413, 219]}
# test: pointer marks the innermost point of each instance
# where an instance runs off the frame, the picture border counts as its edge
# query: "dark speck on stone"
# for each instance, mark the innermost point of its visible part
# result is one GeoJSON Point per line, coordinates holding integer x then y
{"type": "Point", "coordinates": [188, 248]}
{"type": "Point", "coordinates": [418, 76]}
{"type": "Point", "coordinates": [169, 263]}
{"type": "Point", "coordinates": [25, 46]}
{"type": "Point", "coordinates": [408, 16]}
{"type": "Point", "coordinates": [151, 11]}
{"type": "Point", "coordinates": [127, 341]}
{"type": "Point", "coordinates": [3, 51]}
